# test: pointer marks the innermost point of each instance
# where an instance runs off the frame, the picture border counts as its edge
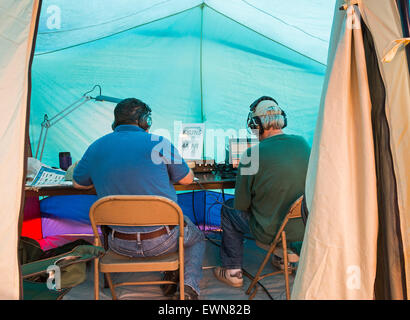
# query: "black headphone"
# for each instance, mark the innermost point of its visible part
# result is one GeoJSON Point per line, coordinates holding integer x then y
{"type": "Point", "coordinates": [254, 122]}
{"type": "Point", "coordinates": [145, 119]}
{"type": "Point", "coordinates": [141, 117]}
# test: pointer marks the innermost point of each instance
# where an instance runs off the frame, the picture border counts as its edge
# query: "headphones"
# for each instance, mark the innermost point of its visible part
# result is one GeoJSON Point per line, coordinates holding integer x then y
{"type": "Point", "coordinates": [254, 122]}
{"type": "Point", "coordinates": [145, 119]}
{"type": "Point", "coordinates": [142, 117]}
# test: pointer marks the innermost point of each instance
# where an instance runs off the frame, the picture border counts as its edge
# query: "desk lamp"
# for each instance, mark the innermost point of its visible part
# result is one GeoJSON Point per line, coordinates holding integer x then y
{"type": "Point", "coordinates": [49, 122]}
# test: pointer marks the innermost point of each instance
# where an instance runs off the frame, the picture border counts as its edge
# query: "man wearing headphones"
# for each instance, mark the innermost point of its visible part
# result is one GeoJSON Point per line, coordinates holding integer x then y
{"type": "Point", "coordinates": [131, 161]}
{"type": "Point", "coordinates": [263, 197]}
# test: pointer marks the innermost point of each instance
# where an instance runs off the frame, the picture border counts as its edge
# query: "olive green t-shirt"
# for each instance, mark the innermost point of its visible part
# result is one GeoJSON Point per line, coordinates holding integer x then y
{"type": "Point", "coordinates": [270, 178]}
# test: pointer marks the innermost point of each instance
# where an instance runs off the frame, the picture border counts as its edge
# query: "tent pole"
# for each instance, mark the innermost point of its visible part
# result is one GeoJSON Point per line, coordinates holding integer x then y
{"type": "Point", "coordinates": [200, 63]}
{"type": "Point", "coordinates": [200, 73]}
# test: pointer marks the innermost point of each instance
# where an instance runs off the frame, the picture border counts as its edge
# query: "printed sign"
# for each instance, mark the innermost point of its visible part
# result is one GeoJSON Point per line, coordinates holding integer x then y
{"type": "Point", "coordinates": [191, 141]}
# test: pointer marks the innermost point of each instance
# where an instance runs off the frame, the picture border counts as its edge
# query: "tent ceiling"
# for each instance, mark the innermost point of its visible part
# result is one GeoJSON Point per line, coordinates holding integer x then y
{"type": "Point", "coordinates": [189, 64]}
{"type": "Point", "coordinates": [195, 66]}
{"type": "Point", "coordinates": [303, 26]}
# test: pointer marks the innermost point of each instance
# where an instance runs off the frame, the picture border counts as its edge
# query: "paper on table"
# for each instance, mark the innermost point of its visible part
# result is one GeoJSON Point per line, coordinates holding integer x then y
{"type": "Point", "coordinates": [47, 176]}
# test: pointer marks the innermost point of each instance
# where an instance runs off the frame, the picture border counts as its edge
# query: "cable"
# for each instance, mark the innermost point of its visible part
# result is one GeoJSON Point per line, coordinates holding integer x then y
{"type": "Point", "coordinates": [96, 86]}
{"type": "Point", "coordinates": [246, 273]}
{"type": "Point", "coordinates": [208, 214]}
{"type": "Point", "coordinates": [216, 199]}
{"type": "Point", "coordinates": [193, 210]}
{"type": "Point", "coordinates": [221, 203]}
{"type": "Point", "coordinates": [204, 214]}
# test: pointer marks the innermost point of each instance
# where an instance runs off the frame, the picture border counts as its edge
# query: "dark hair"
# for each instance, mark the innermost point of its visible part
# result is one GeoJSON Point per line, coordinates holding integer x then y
{"type": "Point", "coordinates": [132, 111]}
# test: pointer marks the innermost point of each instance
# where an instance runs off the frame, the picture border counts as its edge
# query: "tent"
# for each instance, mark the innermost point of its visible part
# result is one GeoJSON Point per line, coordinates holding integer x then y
{"type": "Point", "coordinates": [206, 61]}
{"type": "Point", "coordinates": [357, 239]}
{"type": "Point", "coordinates": [180, 55]}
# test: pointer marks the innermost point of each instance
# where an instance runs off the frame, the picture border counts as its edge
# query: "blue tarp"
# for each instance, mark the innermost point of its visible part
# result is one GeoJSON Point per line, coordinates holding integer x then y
{"type": "Point", "coordinates": [202, 207]}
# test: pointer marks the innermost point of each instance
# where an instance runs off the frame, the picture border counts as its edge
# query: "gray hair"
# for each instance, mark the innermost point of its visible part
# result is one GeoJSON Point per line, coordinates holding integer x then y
{"type": "Point", "coordinates": [273, 119]}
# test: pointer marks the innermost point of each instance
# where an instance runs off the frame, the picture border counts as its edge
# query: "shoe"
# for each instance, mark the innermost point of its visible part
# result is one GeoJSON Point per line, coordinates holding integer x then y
{"type": "Point", "coordinates": [224, 275]}
{"type": "Point", "coordinates": [278, 263]}
{"type": "Point", "coordinates": [189, 294]}
{"type": "Point", "coordinates": [292, 256]}
{"type": "Point", "coordinates": [169, 289]}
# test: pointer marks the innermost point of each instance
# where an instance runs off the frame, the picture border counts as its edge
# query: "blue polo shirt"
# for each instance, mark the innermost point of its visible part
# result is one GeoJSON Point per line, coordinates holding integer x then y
{"type": "Point", "coordinates": [130, 161]}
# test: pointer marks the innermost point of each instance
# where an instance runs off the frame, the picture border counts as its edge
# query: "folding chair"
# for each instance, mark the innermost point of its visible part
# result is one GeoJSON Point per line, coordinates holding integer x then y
{"type": "Point", "coordinates": [124, 210]}
{"type": "Point", "coordinates": [293, 213]}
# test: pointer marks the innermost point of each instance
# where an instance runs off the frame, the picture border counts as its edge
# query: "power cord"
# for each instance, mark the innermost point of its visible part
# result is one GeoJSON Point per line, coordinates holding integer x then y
{"type": "Point", "coordinates": [216, 199]}
{"type": "Point", "coordinates": [218, 202]}
{"type": "Point", "coordinates": [193, 210]}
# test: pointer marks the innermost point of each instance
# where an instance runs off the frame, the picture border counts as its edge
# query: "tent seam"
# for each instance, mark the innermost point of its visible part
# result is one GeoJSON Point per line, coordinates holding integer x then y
{"type": "Point", "coordinates": [200, 5]}
{"type": "Point", "coordinates": [114, 34]}
{"type": "Point", "coordinates": [284, 22]}
{"type": "Point", "coordinates": [266, 37]}
{"type": "Point", "coordinates": [104, 23]}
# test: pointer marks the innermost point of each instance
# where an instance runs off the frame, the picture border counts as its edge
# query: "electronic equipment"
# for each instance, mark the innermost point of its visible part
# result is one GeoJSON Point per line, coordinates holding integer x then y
{"type": "Point", "coordinates": [201, 166]}
{"type": "Point", "coordinates": [65, 160]}
{"type": "Point", "coordinates": [225, 170]}
{"type": "Point", "coordinates": [237, 147]}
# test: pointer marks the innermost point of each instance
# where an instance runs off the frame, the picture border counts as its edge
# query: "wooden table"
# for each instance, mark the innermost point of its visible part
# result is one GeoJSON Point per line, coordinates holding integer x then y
{"type": "Point", "coordinates": [206, 181]}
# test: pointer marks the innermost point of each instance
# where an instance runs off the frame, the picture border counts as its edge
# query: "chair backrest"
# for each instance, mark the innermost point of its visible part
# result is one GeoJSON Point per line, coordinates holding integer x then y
{"type": "Point", "coordinates": [132, 210]}
{"type": "Point", "coordinates": [294, 212]}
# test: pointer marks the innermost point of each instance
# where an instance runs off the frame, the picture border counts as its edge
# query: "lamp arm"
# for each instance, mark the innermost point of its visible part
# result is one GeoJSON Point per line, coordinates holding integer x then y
{"type": "Point", "coordinates": [44, 143]}
{"type": "Point", "coordinates": [64, 113]}
{"type": "Point", "coordinates": [61, 114]}
{"type": "Point", "coordinates": [49, 122]}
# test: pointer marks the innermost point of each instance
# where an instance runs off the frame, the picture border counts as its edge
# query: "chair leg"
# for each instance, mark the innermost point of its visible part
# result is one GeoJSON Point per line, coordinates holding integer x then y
{"type": "Point", "coordinates": [181, 292]}
{"type": "Point", "coordinates": [253, 284]}
{"type": "Point", "coordinates": [96, 280]}
{"type": "Point", "coordinates": [285, 262]}
{"type": "Point", "coordinates": [181, 268]}
{"type": "Point", "coordinates": [181, 282]}
{"type": "Point", "coordinates": [253, 293]}
{"type": "Point", "coordinates": [256, 278]}
{"type": "Point", "coordinates": [109, 280]}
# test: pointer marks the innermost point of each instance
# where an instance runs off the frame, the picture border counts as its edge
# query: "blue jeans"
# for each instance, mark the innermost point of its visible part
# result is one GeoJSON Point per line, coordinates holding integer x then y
{"type": "Point", "coordinates": [194, 248]}
{"type": "Point", "coordinates": [235, 224]}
